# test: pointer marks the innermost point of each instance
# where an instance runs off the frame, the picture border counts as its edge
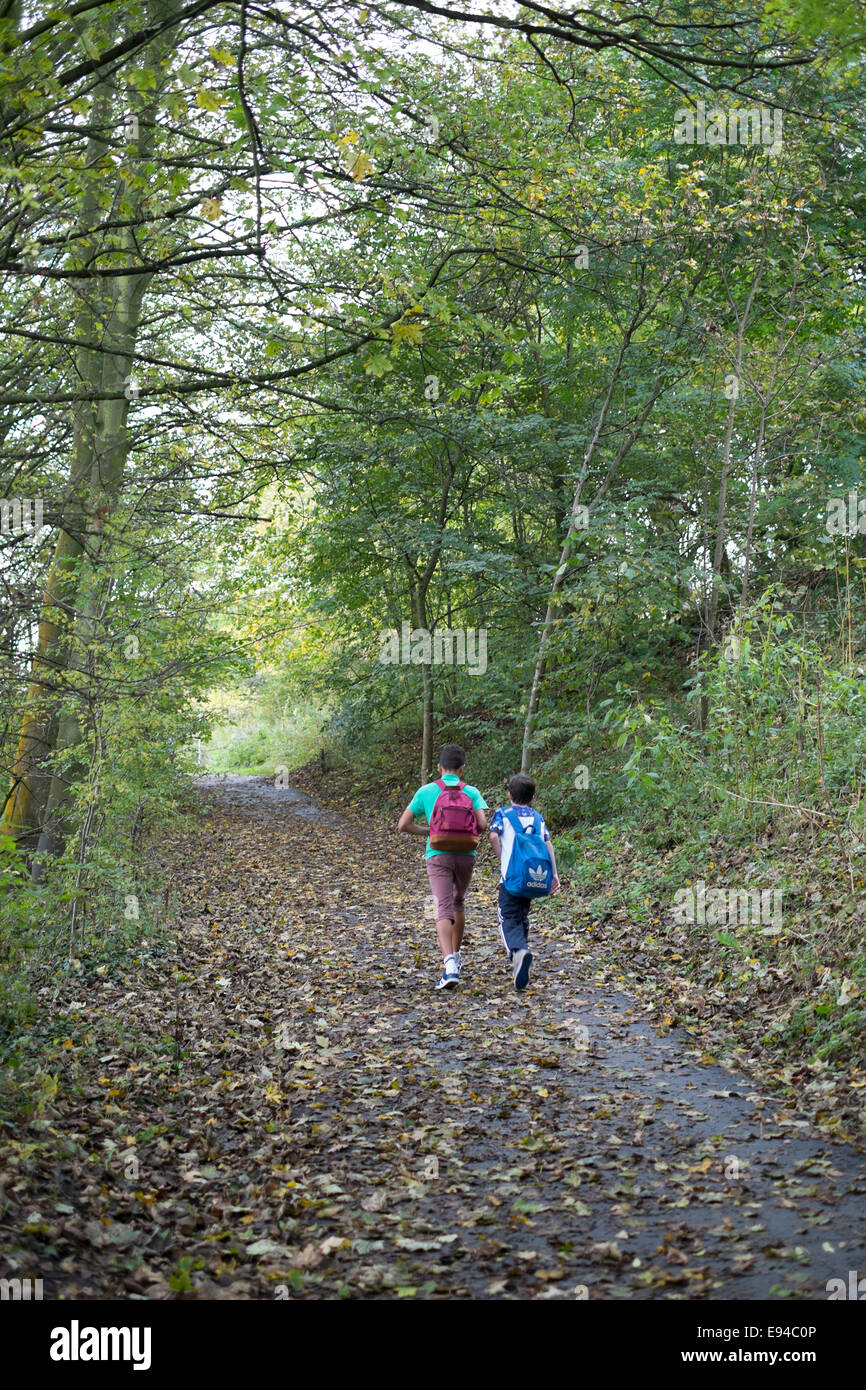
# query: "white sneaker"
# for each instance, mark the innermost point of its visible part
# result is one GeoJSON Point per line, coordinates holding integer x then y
{"type": "Point", "coordinates": [450, 973]}
{"type": "Point", "coordinates": [522, 962]}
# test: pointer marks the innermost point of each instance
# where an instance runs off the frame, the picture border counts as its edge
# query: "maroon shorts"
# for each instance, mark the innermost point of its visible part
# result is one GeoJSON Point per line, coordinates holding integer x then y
{"type": "Point", "coordinates": [449, 876]}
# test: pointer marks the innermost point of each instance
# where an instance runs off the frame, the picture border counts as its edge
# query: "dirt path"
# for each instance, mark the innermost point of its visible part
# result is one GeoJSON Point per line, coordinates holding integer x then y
{"type": "Point", "coordinates": [321, 1122]}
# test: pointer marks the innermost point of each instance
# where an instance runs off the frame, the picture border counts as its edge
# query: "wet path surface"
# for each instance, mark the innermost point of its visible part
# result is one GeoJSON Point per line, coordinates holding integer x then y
{"type": "Point", "coordinates": [280, 1104]}
{"type": "Point", "coordinates": [542, 1143]}
{"type": "Point", "coordinates": [262, 796]}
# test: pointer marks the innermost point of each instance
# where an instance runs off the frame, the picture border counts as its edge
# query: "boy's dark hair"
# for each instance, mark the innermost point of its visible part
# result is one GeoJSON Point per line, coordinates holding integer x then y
{"type": "Point", "coordinates": [452, 757]}
{"type": "Point", "coordinates": [521, 789]}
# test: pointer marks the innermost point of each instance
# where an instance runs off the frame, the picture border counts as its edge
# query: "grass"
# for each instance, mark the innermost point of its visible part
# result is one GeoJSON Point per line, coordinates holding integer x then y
{"type": "Point", "coordinates": [247, 740]}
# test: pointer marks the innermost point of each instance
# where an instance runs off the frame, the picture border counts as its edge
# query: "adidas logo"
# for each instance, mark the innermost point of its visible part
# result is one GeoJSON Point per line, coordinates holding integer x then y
{"type": "Point", "coordinates": [537, 877]}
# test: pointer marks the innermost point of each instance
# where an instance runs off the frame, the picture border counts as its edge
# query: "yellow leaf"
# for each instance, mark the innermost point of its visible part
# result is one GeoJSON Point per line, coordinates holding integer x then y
{"type": "Point", "coordinates": [404, 332]}
{"type": "Point", "coordinates": [360, 166]}
{"type": "Point", "coordinates": [703, 1167]}
{"type": "Point", "coordinates": [208, 101]}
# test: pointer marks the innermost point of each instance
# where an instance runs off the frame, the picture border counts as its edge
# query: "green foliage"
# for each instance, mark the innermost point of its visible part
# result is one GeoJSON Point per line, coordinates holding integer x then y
{"type": "Point", "coordinates": [255, 731]}
{"type": "Point", "coordinates": [17, 902]}
{"type": "Point", "coordinates": [378, 387]}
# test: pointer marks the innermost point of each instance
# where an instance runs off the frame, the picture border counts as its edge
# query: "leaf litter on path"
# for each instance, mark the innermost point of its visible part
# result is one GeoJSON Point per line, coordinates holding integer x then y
{"type": "Point", "coordinates": [283, 1106]}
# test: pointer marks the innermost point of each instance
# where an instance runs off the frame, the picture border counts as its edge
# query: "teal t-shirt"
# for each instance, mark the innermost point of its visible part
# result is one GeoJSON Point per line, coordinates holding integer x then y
{"type": "Point", "coordinates": [424, 800]}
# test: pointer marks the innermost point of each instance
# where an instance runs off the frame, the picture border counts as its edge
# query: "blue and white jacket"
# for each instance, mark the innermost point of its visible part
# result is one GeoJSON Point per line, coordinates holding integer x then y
{"type": "Point", "coordinates": [502, 826]}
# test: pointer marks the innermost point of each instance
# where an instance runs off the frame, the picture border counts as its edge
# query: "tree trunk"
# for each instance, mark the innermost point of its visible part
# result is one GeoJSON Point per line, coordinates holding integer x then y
{"type": "Point", "coordinates": [419, 618]}
{"type": "Point", "coordinates": [419, 586]}
{"type": "Point", "coordinates": [719, 552]}
{"type": "Point", "coordinates": [742, 322]}
{"type": "Point", "coordinates": [568, 545]}
{"type": "Point", "coordinates": [108, 314]}
{"type": "Point", "coordinates": [766, 398]}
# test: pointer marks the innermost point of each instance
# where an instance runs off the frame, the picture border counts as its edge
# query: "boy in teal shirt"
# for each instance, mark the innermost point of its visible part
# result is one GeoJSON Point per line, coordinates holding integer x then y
{"type": "Point", "coordinates": [449, 871]}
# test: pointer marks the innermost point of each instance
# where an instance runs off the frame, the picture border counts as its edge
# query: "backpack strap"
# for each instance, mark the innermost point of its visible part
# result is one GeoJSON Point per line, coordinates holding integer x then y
{"type": "Point", "coordinates": [519, 827]}
{"type": "Point", "coordinates": [439, 783]}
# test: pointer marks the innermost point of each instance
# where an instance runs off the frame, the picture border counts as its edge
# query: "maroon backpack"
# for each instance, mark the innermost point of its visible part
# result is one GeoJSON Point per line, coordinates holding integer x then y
{"type": "Point", "coordinates": [452, 824]}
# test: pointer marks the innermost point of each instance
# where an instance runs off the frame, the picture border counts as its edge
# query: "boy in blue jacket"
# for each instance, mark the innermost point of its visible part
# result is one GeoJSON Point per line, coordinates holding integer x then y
{"type": "Point", "coordinates": [513, 909]}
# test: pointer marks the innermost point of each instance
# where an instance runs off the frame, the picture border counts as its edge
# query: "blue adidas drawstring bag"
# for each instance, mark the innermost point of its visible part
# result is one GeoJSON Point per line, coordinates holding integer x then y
{"type": "Point", "coordinates": [530, 867]}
